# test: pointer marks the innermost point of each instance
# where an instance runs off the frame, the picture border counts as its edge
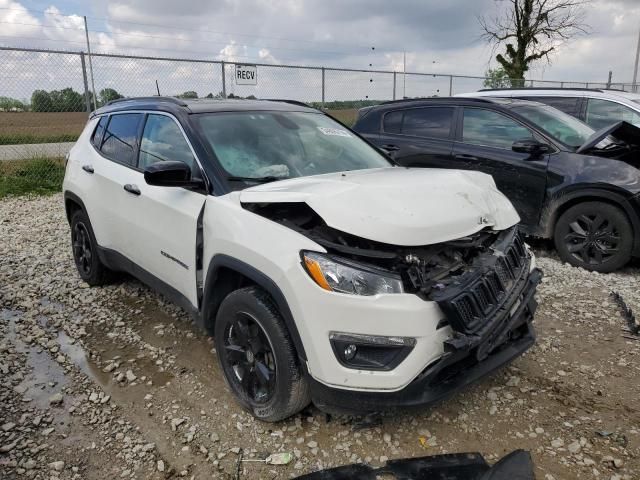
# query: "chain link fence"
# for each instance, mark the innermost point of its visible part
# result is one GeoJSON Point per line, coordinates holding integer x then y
{"type": "Point", "coordinates": [46, 96]}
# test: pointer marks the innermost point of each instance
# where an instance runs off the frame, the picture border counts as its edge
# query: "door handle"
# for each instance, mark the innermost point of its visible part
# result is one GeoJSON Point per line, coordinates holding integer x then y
{"type": "Point", "coordinates": [466, 157]}
{"type": "Point", "coordinates": [133, 189]}
{"type": "Point", "coordinates": [87, 168]}
{"type": "Point", "coordinates": [390, 148]}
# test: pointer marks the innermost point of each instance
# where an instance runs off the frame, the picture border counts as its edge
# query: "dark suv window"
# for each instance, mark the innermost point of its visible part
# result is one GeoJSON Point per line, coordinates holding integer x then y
{"type": "Point", "coordinates": [433, 122]}
{"type": "Point", "coordinates": [492, 129]}
{"type": "Point", "coordinates": [120, 138]}
{"type": "Point", "coordinates": [569, 105]}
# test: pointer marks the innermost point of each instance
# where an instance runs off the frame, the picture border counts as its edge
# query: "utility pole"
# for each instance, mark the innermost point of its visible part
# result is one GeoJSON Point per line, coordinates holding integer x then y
{"type": "Point", "coordinates": [404, 74]}
{"type": "Point", "coordinates": [93, 85]}
{"type": "Point", "coordinates": [635, 68]}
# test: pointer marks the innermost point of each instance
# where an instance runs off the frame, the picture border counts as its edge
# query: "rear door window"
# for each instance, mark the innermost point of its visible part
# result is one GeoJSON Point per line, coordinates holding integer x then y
{"type": "Point", "coordinates": [431, 122]}
{"type": "Point", "coordinates": [120, 142]}
{"type": "Point", "coordinates": [492, 129]}
{"type": "Point", "coordinates": [604, 113]}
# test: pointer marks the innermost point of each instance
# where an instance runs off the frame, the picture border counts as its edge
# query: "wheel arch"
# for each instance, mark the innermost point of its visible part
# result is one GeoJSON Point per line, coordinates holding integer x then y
{"type": "Point", "coordinates": [72, 203]}
{"type": "Point", "coordinates": [562, 201]}
{"type": "Point", "coordinates": [226, 274]}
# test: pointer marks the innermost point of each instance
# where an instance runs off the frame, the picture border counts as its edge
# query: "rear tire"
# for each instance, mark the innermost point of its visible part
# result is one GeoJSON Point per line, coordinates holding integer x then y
{"type": "Point", "coordinates": [257, 356]}
{"type": "Point", "coordinates": [85, 251]}
{"type": "Point", "coordinates": [596, 236]}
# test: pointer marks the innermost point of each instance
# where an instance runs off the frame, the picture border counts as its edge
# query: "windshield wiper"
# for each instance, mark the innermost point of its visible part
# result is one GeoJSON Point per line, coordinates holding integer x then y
{"type": "Point", "coordinates": [266, 179]}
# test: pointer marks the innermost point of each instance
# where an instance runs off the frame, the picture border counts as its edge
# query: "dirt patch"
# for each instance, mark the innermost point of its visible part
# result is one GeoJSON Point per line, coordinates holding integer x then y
{"type": "Point", "coordinates": [40, 127]}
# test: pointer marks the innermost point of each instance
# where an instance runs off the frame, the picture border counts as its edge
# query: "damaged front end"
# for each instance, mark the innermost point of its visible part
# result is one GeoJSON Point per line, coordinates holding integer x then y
{"type": "Point", "coordinates": [484, 284]}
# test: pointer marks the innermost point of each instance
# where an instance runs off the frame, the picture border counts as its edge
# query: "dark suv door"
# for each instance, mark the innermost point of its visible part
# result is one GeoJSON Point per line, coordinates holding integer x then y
{"type": "Point", "coordinates": [419, 137]}
{"type": "Point", "coordinates": [484, 142]}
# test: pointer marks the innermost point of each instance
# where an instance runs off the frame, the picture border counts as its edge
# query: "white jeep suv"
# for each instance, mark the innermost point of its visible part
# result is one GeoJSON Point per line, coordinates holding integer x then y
{"type": "Point", "coordinates": [323, 271]}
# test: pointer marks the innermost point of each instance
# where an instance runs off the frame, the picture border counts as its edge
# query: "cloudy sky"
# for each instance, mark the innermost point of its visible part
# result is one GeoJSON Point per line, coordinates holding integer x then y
{"type": "Point", "coordinates": [439, 36]}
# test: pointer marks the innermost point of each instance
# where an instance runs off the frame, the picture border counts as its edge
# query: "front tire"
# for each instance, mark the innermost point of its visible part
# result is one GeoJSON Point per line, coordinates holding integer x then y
{"type": "Point", "coordinates": [596, 236]}
{"type": "Point", "coordinates": [257, 356]}
{"type": "Point", "coordinates": [85, 251]}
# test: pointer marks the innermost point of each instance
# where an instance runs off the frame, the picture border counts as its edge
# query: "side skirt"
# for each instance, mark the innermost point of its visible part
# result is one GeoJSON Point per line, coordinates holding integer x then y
{"type": "Point", "coordinates": [118, 262]}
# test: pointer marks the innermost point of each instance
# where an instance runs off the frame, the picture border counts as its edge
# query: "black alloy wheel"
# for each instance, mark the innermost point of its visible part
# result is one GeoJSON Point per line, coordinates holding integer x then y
{"type": "Point", "coordinates": [85, 251]}
{"type": "Point", "coordinates": [82, 253]}
{"type": "Point", "coordinates": [258, 359]}
{"type": "Point", "coordinates": [250, 355]}
{"type": "Point", "coordinates": [594, 235]}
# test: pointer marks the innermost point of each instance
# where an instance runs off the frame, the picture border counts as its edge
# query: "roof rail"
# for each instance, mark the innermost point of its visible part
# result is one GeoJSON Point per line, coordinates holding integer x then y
{"type": "Point", "coordinates": [540, 88]}
{"type": "Point", "coordinates": [421, 99]}
{"type": "Point", "coordinates": [175, 100]}
{"type": "Point", "coordinates": [284, 100]}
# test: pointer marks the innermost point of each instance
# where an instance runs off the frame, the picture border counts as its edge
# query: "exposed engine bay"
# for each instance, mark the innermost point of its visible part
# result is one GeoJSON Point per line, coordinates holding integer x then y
{"type": "Point", "coordinates": [424, 270]}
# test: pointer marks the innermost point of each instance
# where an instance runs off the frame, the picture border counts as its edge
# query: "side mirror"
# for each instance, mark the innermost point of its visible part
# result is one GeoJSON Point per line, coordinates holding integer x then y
{"type": "Point", "coordinates": [531, 146]}
{"type": "Point", "coordinates": [170, 174]}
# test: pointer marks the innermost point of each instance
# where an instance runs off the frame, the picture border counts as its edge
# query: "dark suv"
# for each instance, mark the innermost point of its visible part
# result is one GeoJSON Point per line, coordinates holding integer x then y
{"type": "Point", "coordinates": [567, 182]}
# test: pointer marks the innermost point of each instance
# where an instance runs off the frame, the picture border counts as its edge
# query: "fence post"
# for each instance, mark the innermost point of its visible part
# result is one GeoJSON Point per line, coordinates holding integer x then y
{"type": "Point", "coordinates": [450, 85]}
{"type": "Point", "coordinates": [224, 82]}
{"type": "Point", "coordinates": [87, 99]}
{"type": "Point", "coordinates": [394, 85]}
{"type": "Point", "coordinates": [322, 103]}
{"type": "Point", "coordinates": [561, 84]}
{"type": "Point", "coordinates": [587, 85]}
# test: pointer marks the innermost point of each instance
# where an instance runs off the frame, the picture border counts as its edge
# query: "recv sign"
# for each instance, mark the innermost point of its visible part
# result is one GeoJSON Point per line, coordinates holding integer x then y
{"type": "Point", "coordinates": [246, 75]}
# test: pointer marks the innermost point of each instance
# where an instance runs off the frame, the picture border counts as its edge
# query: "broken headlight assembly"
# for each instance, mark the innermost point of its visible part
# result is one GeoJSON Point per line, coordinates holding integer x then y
{"type": "Point", "coordinates": [345, 276]}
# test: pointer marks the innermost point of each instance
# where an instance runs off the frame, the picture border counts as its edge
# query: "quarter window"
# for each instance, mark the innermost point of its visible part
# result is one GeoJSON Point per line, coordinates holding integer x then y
{"type": "Point", "coordinates": [99, 132]}
{"type": "Point", "coordinates": [484, 127]}
{"type": "Point", "coordinates": [162, 140]}
{"type": "Point", "coordinates": [603, 113]}
{"type": "Point", "coordinates": [120, 138]}
{"type": "Point", "coordinates": [432, 122]}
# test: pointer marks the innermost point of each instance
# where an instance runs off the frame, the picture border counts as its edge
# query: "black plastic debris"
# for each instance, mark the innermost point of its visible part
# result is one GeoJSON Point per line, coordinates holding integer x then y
{"type": "Point", "coordinates": [457, 466]}
{"type": "Point", "coordinates": [627, 313]}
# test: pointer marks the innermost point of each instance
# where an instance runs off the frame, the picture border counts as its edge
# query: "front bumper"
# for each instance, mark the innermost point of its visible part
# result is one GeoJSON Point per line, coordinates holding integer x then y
{"type": "Point", "coordinates": [467, 358]}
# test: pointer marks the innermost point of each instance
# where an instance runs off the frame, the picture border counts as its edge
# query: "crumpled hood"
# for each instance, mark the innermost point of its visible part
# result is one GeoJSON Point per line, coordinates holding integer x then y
{"type": "Point", "coordinates": [623, 131]}
{"type": "Point", "coordinates": [398, 206]}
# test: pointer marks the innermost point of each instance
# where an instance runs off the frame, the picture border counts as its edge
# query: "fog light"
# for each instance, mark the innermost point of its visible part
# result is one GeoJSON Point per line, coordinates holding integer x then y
{"type": "Point", "coordinates": [350, 352]}
{"type": "Point", "coordinates": [370, 352]}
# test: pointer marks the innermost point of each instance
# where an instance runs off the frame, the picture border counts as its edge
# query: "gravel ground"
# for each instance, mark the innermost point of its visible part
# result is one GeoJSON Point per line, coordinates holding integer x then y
{"type": "Point", "coordinates": [115, 382]}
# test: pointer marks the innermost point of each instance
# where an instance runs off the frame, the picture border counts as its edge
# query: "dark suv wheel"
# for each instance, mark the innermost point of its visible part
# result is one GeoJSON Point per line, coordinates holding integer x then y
{"type": "Point", "coordinates": [85, 251]}
{"type": "Point", "coordinates": [594, 235]}
{"type": "Point", "coordinates": [257, 356]}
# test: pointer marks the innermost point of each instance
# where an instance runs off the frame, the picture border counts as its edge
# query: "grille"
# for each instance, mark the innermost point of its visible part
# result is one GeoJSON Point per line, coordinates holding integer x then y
{"type": "Point", "coordinates": [480, 299]}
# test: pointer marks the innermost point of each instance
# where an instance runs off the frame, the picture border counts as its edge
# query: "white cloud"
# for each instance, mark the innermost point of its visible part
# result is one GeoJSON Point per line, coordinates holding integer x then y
{"type": "Point", "coordinates": [439, 38]}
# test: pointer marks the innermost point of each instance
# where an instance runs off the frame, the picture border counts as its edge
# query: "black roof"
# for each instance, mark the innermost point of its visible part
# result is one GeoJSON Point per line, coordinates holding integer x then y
{"type": "Point", "coordinates": [201, 105]}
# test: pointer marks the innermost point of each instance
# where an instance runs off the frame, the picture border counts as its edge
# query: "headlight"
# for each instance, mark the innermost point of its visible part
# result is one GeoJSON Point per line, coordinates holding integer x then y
{"type": "Point", "coordinates": [344, 276]}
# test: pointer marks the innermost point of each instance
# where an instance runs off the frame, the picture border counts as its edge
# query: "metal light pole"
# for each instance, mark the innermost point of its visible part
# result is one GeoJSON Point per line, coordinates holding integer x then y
{"type": "Point", "coordinates": [404, 74]}
{"type": "Point", "coordinates": [93, 85]}
{"type": "Point", "coordinates": [635, 68]}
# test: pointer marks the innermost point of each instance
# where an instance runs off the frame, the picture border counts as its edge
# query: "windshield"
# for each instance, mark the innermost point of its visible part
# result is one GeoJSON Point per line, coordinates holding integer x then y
{"type": "Point", "coordinates": [274, 145]}
{"type": "Point", "coordinates": [561, 126]}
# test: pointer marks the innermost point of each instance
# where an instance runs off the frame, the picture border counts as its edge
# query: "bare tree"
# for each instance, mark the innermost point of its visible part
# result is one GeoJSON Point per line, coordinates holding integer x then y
{"type": "Point", "coordinates": [531, 30]}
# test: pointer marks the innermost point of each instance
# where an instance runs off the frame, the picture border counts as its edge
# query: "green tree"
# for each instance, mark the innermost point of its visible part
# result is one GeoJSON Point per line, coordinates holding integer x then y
{"type": "Point", "coordinates": [107, 95]}
{"type": "Point", "coordinates": [67, 100]}
{"type": "Point", "coordinates": [531, 30]}
{"type": "Point", "coordinates": [7, 104]}
{"type": "Point", "coordinates": [41, 101]}
{"type": "Point", "coordinates": [188, 94]}
{"type": "Point", "coordinates": [496, 78]}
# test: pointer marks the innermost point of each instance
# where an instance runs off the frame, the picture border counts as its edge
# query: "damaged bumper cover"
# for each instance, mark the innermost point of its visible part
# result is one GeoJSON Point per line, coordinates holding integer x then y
{"type": "Point", "coordinates": [468, 357]}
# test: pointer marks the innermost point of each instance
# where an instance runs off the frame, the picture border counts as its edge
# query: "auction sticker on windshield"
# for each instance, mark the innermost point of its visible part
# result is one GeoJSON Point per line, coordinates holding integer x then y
{"type": "Point", "coordinates": [334, 131]}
